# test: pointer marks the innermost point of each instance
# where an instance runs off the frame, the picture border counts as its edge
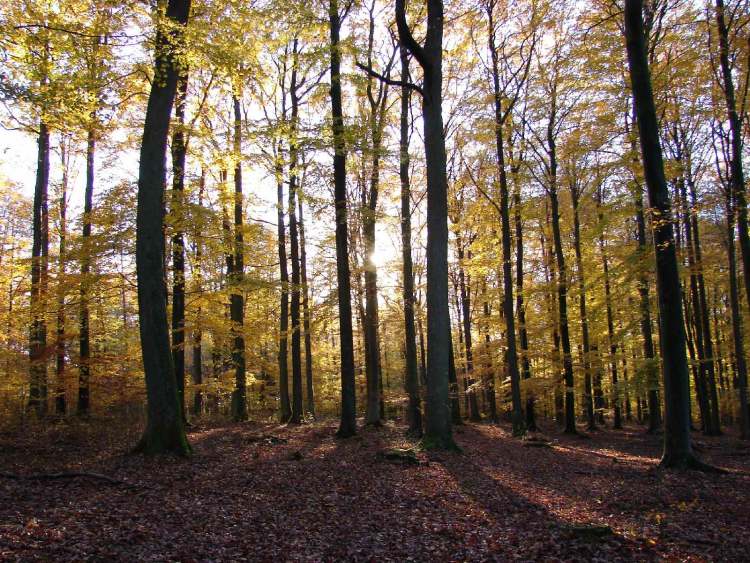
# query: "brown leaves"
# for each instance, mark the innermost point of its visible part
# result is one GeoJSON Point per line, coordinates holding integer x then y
{"type": "Point", "coordinates": [268, 492]}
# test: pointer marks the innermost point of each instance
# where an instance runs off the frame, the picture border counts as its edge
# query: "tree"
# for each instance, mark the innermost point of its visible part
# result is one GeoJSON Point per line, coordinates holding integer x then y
{"type": "Point", "coordinates": [677, 444]}
{"type": "Point", "coordinates": [430, 57]}
{"type": "Point", "coordinates": [165, 431]}
{"type": "Point", "coordinates": [348, 425]}
{"type": "Point", "coordinates": [413, 409]}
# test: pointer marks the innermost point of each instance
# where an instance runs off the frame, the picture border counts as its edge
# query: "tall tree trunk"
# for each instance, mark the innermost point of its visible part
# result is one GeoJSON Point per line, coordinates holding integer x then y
{"type": "Point", "coordinates": [237, 301]}
{"type": "Point", "coordinates": [562, 280]}
{"type": "Point", "coordinates": [413, 409]}
{"type": "Point", "coordinates": [60, 403]}
{"type": "Point", "coordinates": [438, 433]}
{"type": "Point", "coordinates": [737, 332]}
{"type": "Point", "coordinates": [549, 277]}
{"type": "Point", "coordinates": [737, 174]}
{"type": "Point", "coordinates": [84, 362]}
{"type": "Point", "coordinates": [466, 327]}
{"type": "Point", "coordinates": [285, 409]}
{"type": "Point", "coordinates": [649, 355]}
{"type": "Point", "coordinates": [373, 369]}
{"type": "Point", "coordinates": [704, 368]}
{"type": "Point", "coordinates": [39, 264]}
{"type": "Point", "coordinates": [588, 387]}
{"type": "Point", "coordinates": [296, 417]}
{"type": "Point", "coordinates": [165, 431]}
{"type": "Point", "coordinates": [348, 425]}
{"type": "Point", "coordinates": [306, 315]}
{"type": "Point", "coordinates": [455, 403]}
{"type": "Point", "coordinates": [615, 394]}
{"type": "Point", "coordinates": [179, 154]}
{"type": "Point", "coordinates": [677, 445]}
{"type": "Point", "coordinates": [709, 358]}
{"type": "Point", "coordinates": [523, 337]}
{"type": "Point", "coordinates": [197, 347]}
{"type": "Point", "coordinates": [510, 329]}
{"type": "Point", "coordinates": [490, 376]}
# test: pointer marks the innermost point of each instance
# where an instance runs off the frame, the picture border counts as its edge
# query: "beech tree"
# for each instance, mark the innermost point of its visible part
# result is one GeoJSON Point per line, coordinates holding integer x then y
{"type": "Point", "coordinates": [164, 431]}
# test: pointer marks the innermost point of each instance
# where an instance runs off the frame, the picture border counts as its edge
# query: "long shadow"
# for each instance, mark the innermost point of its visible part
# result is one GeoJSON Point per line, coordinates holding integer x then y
{"type": "Point", "coordinates": [541, 533]}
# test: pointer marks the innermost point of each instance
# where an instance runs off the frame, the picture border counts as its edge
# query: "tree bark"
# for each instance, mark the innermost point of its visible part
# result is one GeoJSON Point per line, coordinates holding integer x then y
{"type": "Point", "coordinates": [306, 315]}
{"type": "Point", "coordinates": [285, 409]}
{"type": "Point", "coordinates": [585, 339]}
{"type": "Point", "coordinates": [60, 347]}
{"type": "Point", "coordinates": [677, 444]}
{"type": "Point", "coordinates": [615, 394]}
{"type": "Point", "coordinates": [737, 174]}
{"type": "Point", "coordinates": [523, 337]}
{"type": "Point", "coordinates": [296, 417]}
{"type": "Point", "coordinates": [413, 409]}
{"type": "Point", "coordinates": [562, 279]}
{"type": "Point", "coordinates": [737, 332]}
{"type": "Point", "coordinates": [179, 154]}
{"type": "Point", "coordinates": [237, 300]}
{"type": "Point", "coordinates": [466, 327]}
{"type": "Point", "coordinates": [438, 433]}
{"type": "Point", "coordinates": [348, 425]}
{"type": "Point", "coordinates": [510, 329]}
{"type": "Point", "coordinates": [84, 362]}
{"type": "Point", "coordinates": [165, 431]}
{"type": "Point", "coordinates": [197, 346]}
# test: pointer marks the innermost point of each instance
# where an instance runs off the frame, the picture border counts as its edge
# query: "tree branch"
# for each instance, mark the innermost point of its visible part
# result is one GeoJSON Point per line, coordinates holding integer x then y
{"type": "Point", "coordinates": [405, 36]}
{"type": "Point", "coordinates": [390, 81]}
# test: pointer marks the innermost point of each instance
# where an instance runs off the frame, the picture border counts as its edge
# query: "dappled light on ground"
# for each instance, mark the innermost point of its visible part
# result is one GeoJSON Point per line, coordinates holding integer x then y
{"type": "Point", "coordinates": [271, 492]}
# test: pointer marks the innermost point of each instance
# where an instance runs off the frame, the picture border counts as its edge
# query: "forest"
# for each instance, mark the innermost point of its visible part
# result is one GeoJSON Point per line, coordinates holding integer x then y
{"type": "Point", "coordinates": [462, 280]}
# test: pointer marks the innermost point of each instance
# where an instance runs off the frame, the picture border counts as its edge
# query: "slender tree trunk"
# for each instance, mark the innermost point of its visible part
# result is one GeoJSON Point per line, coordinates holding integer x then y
{"type": "Point", "coordinates": [704, 402]}
{"type": "Point", "coordinates": [348, 426]}
{"type": "Point", "coordinates": [179, 154]}
{"type": "Point", "coordinates": [60, 375]}
{"type": "Point", "coordinates": [39, 264]}
{"type": "Point", "coordinates": [197, 348]}
{"type": "Point", "coordinates": [413, 409]}
{"type": "Point", "coordinates": [285, 411]}
{"type": "Point", "coordinates": [615, 394]}
{"type": "Point", "coordinates": [585, 339]}
{"type": "Point", "coordinates": [306, 315]}
{"type": "Point", "coordinates": [737, 174]}
{"type": "Point", "coordinates": [523, 336]}
{"type": "Point", "coordinates": [510, 329]}
{"type": "Point", "coordinates": [466, 327]}
{"type": "Point", "coordinates": [677, 444]}
{"type": "Point", "coordinates": [490, 377]}
{"type": "Point", "coordinates": [430, 56]}
{"type": "Point", "coordinates": [709, 358]}
{"type": "Point", "coordinates": [237, 301]}
{"type": "Point", "coordinates": [84, 362]}
{"type": "Point", "coordinates": [737, 332]}
{"type": "Point", "coordinates": [562, 288]}
{"type": "Point", "coordinates": [296, 417]}
{"type": "Point", "coordinates": [650, 362]}
{"type": "Point", "coordinates": [453, 386]}
{"type": "Point", "coordinates": [165, 431]}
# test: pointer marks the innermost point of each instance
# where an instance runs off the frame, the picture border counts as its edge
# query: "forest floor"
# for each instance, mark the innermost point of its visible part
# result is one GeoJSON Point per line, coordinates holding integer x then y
{"type": "Point", "coordinates": [265, 492]}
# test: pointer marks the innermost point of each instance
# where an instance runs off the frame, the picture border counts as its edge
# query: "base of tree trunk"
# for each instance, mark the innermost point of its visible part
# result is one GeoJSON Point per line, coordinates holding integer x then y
{"type": "Point", "coordinates": [170, 441]}
{"type": "Point", "coordinates": [441, 443]}
{"type": "Point", "coordinates": [688, 462]}
{"type": "Point", "coordinates": [346, 431]}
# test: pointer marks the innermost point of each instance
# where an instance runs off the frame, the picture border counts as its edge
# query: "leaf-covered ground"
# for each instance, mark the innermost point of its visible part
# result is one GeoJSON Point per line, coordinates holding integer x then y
{"type": "Point", "coordinates": [270, 493]}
